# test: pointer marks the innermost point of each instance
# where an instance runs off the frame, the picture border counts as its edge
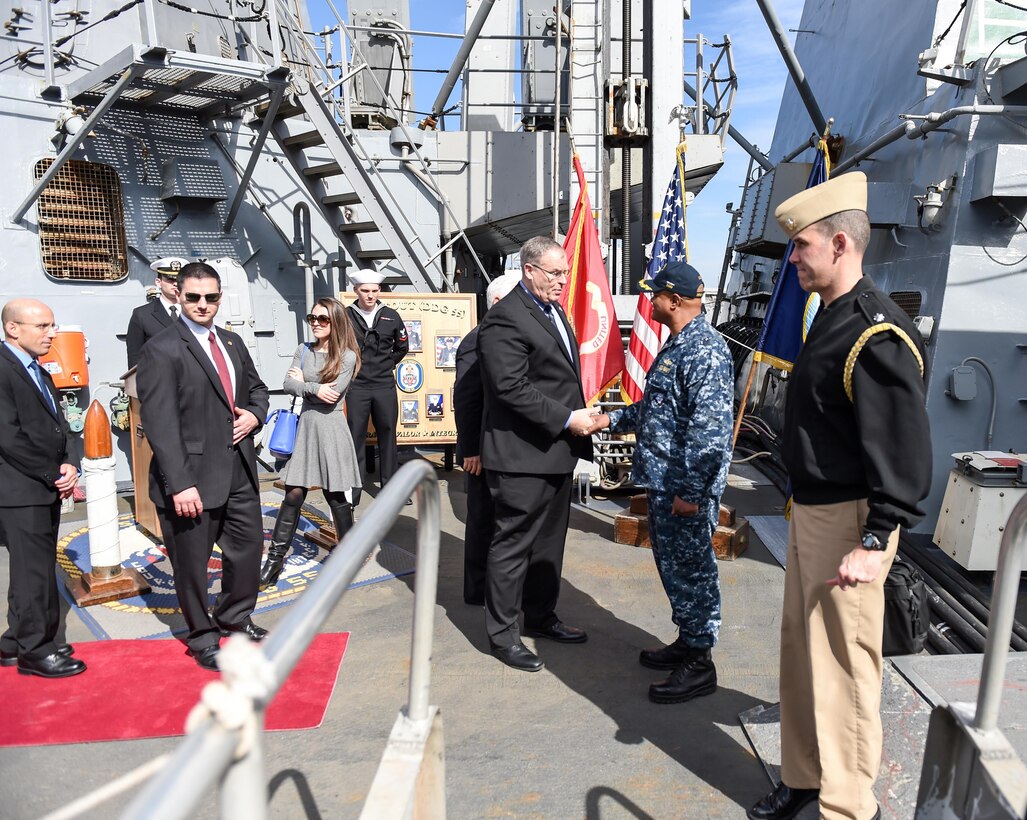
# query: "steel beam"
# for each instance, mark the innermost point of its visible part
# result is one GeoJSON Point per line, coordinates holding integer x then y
{"type": "Point", "coordinates": [269, 119]}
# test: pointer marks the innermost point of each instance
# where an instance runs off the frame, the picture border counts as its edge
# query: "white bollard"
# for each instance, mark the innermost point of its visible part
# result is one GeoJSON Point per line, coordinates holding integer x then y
{"type": "Point", "coordinates": [102, 512]}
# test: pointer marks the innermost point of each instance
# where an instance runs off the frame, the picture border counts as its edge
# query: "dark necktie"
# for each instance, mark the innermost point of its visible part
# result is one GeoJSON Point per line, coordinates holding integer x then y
{"type": "Point", "coordinates": [37, 374]}
{"type": "Point", "coordinates": [551, 313]}
{"type": "Point", "coordinates": [174, 312]}
{"type": "Point", "coordinates": [222, 366]}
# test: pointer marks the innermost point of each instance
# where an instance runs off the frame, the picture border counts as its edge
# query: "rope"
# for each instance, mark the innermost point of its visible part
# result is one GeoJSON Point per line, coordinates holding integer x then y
{"type": "Point", "coordinates": [850, 360]}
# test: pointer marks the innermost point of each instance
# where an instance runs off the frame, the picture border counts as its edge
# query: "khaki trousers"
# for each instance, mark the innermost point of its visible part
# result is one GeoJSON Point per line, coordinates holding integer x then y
{"type": "Point", "coordinates": [831, 663]}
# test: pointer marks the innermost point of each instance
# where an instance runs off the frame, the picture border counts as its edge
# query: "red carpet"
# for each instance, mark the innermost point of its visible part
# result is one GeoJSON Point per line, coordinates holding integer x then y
{"type": "Point", "coordinates": [139, 689]}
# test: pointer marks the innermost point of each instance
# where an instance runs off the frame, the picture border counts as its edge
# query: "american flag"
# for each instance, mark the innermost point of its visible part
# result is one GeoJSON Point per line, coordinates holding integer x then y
{"type": "Point", "coordinates": [671, 244]}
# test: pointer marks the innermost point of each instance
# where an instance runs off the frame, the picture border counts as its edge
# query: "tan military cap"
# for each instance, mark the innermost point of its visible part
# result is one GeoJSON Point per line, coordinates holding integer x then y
{"type": "Point", "coordinates": [845, 193]}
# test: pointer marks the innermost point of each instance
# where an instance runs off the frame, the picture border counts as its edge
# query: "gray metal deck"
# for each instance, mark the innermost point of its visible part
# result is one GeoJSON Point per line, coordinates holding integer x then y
{"type": "Point", "coordinates": [579, 739]}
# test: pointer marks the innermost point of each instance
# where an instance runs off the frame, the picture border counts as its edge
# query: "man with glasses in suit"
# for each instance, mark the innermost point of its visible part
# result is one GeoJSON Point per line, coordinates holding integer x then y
{"type": "Point", "coordinates": [201, 403]}
{"type": "Point", "coordinates": [533, 433]}
{"type": "Point", "coordinates": [35, 476]}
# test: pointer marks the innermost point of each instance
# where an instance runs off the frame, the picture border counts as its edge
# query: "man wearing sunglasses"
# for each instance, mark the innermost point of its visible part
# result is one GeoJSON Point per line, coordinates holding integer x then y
{"type": "Point", "coordinates": [150, 319]}
{"type": "Point", "coordinates": [201, 402]}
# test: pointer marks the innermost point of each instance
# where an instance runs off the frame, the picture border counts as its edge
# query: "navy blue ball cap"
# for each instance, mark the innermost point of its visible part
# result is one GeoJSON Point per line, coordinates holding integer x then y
{"type": "Point", "coordinates": [676, 277]}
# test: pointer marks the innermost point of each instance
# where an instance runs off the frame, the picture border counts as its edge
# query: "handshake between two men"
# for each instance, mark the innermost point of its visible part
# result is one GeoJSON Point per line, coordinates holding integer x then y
{"type": "Point", "coordinates": [588, 420]}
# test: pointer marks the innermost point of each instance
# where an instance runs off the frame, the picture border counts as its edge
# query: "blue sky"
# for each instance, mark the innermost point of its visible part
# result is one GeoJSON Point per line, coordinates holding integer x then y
{"type": "Point", "coordinates": [761, 78]}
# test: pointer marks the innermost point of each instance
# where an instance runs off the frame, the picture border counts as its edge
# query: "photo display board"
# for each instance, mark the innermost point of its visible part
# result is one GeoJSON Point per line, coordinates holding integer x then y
{"type": "Point", "coordinates": [436, 324]}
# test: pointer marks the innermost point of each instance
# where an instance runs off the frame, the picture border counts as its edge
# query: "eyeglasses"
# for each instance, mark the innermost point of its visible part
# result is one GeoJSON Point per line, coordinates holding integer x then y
{"type": "Point", "coordinates": [44, 327]}
{"type": "Point", "coordinates": [553, 274]}
{"type": "Point", "coordinates": [323, 321]}
{"type": "Point", "coordinates": [211, 298]}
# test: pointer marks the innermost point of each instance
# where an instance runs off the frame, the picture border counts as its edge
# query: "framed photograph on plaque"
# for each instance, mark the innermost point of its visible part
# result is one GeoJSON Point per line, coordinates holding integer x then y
{"type": "Point", "coordinates": [435, 409]}
{"type": "Point", "coordinates": [409, 412]}
{"type": "Point", "coordinates": [445, 350]}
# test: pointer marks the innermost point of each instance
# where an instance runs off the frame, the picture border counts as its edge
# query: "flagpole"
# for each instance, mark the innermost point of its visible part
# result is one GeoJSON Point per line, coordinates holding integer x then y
{"type": "Point", "coordinates": [745, 397]}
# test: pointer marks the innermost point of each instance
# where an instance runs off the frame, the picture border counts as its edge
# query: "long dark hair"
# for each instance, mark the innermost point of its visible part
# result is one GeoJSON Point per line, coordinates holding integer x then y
{"type": "Point", "coordinates": [340, 339]}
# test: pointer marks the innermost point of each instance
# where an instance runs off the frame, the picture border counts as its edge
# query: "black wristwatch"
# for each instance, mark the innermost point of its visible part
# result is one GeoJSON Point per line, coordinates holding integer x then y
{"type": "Point", "coordinates": [872, 542]}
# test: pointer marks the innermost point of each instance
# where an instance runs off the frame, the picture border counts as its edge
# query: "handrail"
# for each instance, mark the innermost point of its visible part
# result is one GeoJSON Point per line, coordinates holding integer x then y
{"type": "Point", "coordinates": [1000, 623]}
{"type": "Point", "coordinates": [219, 749]}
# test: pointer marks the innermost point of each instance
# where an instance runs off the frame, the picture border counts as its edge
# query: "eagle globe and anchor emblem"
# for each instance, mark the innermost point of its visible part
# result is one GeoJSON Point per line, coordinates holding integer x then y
{"type": "Point", "coordinates": [409, 376]}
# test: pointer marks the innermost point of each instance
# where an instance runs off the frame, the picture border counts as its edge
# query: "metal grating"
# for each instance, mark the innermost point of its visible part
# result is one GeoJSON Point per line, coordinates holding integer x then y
{"type": "Point", "coordinates": [82, 222]}
{"type": "Point", "coordinates": [909, 300]}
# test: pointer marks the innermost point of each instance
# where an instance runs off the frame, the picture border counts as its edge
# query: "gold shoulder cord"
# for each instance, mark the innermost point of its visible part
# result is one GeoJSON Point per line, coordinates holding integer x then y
{"type": "Point", "coordinates": [850, 360]}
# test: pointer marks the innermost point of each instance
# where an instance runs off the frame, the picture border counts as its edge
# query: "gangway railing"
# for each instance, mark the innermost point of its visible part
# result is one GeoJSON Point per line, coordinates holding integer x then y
{"type": "Point", "coordinates": [224, 744]}
{"type": "Point", "coordinates": [970, 769]}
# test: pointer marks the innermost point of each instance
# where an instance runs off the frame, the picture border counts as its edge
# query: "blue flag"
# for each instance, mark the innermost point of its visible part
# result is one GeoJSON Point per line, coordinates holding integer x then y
{"type": "Point", "coordinates": [791, 309]}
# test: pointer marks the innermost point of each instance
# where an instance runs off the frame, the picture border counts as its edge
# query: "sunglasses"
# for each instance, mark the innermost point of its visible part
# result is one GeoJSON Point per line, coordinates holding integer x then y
{"type": "Point", "coordinates": [323, 321]}
{"type": "Point", "coordinates": [211, 298]}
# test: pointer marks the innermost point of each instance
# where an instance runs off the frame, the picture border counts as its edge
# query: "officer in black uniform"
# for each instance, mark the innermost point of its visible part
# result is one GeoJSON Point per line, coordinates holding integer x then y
{"type": "Point", "coordinates": [857, 447]}
{"type": "Point", "coordinates": [382, 337]}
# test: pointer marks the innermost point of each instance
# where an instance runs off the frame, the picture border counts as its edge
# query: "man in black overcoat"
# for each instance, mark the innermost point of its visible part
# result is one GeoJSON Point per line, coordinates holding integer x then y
{"type": "Point", "coordinates": [534, 432]}
{"type": "Point", "coordinates": [201, 402]}
{"type": "Point", "coordinates": [150, 319]}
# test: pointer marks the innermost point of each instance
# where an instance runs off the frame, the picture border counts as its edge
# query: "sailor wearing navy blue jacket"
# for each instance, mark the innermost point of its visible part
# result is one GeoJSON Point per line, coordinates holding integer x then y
{"type": "Point", "coordinates": [682, 452]}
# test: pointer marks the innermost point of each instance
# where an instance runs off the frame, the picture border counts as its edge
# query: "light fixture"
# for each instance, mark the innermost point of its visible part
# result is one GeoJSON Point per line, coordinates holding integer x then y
{"type": "Point", "coordinates": [929, 206]}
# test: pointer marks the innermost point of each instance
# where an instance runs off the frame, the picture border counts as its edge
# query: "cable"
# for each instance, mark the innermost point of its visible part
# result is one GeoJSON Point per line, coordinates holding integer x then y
{"type": "Point", "coordinates": [109, 16]}
{"type": "Point", "coordinates": [1007, 3]}
{"type": "Point", "coordinates": [938, 40]}
{"type": "Point", "coordinates": [994, 393]}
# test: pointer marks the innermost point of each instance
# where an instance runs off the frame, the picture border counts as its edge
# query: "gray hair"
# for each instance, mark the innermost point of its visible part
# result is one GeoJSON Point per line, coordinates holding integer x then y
{"type": "Point", "coordinates": [854, 223]}
{"type": "Point", "coordinates": [537, 247]}
{"type": "Point", "coordinates": [500, 287]}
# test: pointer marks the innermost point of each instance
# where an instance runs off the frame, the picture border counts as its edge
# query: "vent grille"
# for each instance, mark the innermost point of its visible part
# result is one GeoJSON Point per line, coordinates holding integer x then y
{"type": "Point", "coordinates": [909, 300]}
{"type": "Point", "coordinates": [82, 222]}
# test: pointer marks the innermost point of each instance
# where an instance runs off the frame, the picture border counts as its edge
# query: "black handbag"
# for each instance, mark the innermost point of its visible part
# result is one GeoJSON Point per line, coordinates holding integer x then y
{"type": "Point", "coordinates": [907, 610]}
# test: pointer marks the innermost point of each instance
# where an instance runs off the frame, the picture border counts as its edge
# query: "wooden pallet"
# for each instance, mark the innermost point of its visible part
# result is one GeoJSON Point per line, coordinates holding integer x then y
{"type": "Point", "coordinates": [729, 541]}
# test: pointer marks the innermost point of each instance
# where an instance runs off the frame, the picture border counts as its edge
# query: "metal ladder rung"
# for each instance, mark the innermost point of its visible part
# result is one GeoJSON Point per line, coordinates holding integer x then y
{"type": "Point", "coordinates": [341, 200]}
{"type": "Point", "coordinates": [308, 139]}
{"type": "Point", "coordinates": [358, 227]}
{"type": "Point", "coordinates": [327, 169]}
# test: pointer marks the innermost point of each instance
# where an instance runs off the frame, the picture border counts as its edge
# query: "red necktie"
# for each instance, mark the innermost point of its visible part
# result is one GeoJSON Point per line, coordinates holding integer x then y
{"type": "Point", "coordinates": [222, 366]}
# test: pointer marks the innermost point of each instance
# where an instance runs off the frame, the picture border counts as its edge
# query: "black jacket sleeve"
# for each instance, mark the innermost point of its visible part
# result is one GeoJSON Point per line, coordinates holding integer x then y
{"type": "Point", "coordinates": [468, 398]}
{"type": "Point", "coordinates": [894, 434]}
{"type": "Point", "coordinates": [134, 339]}
{"type": "Point", "coordinates": [400, 343]}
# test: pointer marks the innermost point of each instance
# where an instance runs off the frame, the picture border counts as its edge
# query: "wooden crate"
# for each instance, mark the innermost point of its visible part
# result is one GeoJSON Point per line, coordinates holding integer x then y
{"type": "Point", "coordinates": [729, 541]}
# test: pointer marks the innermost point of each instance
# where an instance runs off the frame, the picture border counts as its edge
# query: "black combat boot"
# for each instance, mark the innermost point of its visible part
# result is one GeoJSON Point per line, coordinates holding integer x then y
{"type": "Point", "coordinates": [342, 515]}
{"type": "Point", "coordinates": [666, 657]}
{"type": "Point", "coordinates": [281, 539]}
{"type": "Point", "coordinates": [694, 677]}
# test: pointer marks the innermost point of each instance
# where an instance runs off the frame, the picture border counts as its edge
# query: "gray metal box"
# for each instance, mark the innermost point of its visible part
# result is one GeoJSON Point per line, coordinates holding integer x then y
{"type": "Point", "coordinates": [1000, 171]}
{"type": "Point", "coordinates": [192, 181]}
{"type": "Point", "coordinates": [759, 232]}
{"type": "Point", "coordinates": [888, 203]}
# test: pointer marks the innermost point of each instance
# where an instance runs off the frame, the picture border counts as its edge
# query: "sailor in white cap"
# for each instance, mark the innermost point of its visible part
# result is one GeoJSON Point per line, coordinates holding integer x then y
{"type": "Point", "coordinates": [382, 338]}
{"type": "Point", "coordinates": [150, 319]}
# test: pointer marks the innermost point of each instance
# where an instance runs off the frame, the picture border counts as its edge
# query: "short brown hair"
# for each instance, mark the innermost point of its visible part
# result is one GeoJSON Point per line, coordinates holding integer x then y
{"type": "Point", "coordinates": [197, 270]}
{"type": "Point", "coordinates": [854, 223]}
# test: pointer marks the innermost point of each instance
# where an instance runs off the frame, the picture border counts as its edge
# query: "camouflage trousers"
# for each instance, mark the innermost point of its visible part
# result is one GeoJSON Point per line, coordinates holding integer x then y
{"type": "Point", "coordinates": [683, 550]}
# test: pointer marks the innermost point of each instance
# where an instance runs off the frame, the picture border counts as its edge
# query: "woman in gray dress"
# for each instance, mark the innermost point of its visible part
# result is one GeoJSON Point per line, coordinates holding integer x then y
{"type": "Point", "coordinates": [323, 455]}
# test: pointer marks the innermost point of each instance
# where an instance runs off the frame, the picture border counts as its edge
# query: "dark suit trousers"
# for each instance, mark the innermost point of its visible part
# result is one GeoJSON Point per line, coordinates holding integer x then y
{"type": "Point", "coordinates": [379, 404]}
{"type": "Point", "coordinates": [526, 557]}
{"type": "Point", "coordinates": [237, 528]}
{"type": "Point", "coordinates": [33, 608]}
{"type": "Point", "coordinates": [478, 530]}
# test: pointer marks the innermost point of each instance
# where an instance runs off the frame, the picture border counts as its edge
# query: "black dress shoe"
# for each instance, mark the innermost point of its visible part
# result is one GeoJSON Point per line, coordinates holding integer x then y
{"type": "Point", "coordinates": [52, 666]}
{"type": "Point", "coordinates": [250, 630]}
{"type": "Point", "coordinates": [65, 650]}
{"type": "Point", "coordinates": [666, 657]}
{"type": "Point", "coordinates": [783, 803]}
{"type": "Point", "coordinates": [696, 676]}
{"type": "Point", "coordinates": [518, 656]}
{"type": "Point", "coordinates": [206, 657]}
{"type": "Point", "coordinates": [558, 631]}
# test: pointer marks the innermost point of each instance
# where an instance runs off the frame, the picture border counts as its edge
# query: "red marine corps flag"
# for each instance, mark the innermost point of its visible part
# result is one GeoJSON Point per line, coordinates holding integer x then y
{"type": "Point", "coordinates": [587, 300]}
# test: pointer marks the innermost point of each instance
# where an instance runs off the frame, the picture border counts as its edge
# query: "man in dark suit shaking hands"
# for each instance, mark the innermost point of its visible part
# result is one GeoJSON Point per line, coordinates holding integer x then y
{"type": "Point", "coordinates": [534, 431]}
{"type": "Point", "coordinates": [201, 401]}
{"type": "Point", "coordinates": [150, 319]}
{"type": "Point", "coordinates": [34, 477]}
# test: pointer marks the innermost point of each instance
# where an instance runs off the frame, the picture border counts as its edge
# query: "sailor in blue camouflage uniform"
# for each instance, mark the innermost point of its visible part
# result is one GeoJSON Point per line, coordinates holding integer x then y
{"type": "Point", "coordinates": [683, 426]}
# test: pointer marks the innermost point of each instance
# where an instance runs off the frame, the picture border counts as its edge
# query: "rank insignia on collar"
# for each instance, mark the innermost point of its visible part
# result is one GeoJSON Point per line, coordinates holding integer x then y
{"type": "Point", "coordinates": [878, 317]}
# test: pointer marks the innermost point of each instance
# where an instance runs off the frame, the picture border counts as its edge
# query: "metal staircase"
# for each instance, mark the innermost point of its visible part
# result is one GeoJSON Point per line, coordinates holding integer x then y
{"type": "Point", "coordinates": [309, 124]}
